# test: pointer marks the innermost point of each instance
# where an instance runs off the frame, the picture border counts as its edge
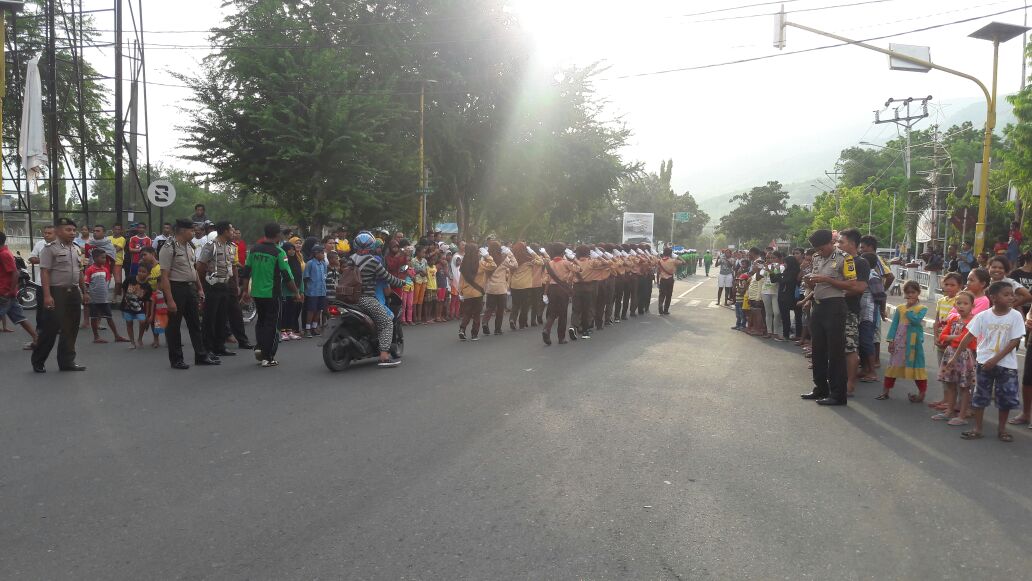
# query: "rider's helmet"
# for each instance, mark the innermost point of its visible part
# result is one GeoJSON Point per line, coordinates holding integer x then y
{"type": "Point", "coordinates": [363, 243]}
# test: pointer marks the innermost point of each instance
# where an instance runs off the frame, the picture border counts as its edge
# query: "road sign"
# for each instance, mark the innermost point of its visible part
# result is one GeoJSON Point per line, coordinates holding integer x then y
{"type": "Point", "coordinates": [424, 191]}
{"type": "Point", "coordinates": [682, 216]}
{"type": "Point", "coordinates": [161, 193]}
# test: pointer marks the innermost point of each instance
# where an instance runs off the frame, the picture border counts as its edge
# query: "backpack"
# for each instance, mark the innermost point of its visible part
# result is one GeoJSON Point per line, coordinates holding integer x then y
{"type": "Point", "coordinates": [349, 284]}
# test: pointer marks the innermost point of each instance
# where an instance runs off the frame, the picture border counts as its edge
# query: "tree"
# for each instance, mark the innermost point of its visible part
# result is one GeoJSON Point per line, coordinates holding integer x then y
{"type": "Point", "coordinates": [315, 124]}
{"type": "Point", "coordinates": [799, 225]}
{"type": "Point", "coordinates": [651, 193]}
{"type": "Point", "coordinates": [759, 216]}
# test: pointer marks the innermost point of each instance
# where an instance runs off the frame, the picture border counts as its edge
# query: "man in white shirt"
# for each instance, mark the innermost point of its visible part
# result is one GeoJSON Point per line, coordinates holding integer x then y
{"type": "Point", "coordinates": [48, 236]}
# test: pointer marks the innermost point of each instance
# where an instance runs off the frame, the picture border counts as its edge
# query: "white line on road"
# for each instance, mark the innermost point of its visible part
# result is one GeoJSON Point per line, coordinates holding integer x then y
{"type": "Point", "coordinates": [675, 301]}
{"type": "Point", "coordinates": [697, 285]}
{"type": "Point", "coordinates": [694, 303]}
{"type": "Point", "coordinates": [713, 305]}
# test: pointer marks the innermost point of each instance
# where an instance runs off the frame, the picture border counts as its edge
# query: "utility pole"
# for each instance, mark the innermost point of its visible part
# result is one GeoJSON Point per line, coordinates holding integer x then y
{"type": "Point", "coordinates": [903, 117]}
{"type": "Point", "coordinates": [119, 117]}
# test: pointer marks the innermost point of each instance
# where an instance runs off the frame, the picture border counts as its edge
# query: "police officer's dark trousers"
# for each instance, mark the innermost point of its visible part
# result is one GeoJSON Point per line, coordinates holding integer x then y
{"type": "Point", "coordinates": [828, 336]}
{"type": "Point", "coordinates": [217, 300]}
{"type": "Point", "coordinates": [63, 320]}
{"type": "Point", "coordinates": [185, 296]}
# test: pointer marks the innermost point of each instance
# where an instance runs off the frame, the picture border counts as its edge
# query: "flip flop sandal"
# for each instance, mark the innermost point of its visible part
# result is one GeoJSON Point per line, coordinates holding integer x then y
{"type": "Point", "coordinates": [935, 404]}
{"type": "Point", "coordinates": [1005, 437]}
{"type": "Point", "coordinates": [915, 398]}
{"type": "Point", "coordinates": [957, 422]}
{"type": "Point", "coordinates": [971, 435]}
{"type": "Point", "coordinates": [882, 397]}
{"type": "Point", "coordinates": [1017, 422]}
{"type": "Point", "coordinates": [941, 417]}
{"type": "Point", "coordinates": [869, 379]}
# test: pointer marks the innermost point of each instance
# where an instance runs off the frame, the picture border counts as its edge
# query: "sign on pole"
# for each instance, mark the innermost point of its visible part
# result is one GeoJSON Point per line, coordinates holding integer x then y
{"type": "Point", "coordinates": [682, 216]}
{"type": "Point", "coordinates": [637, 228]}
{"type": "Point", "coordinates": [161, 193]}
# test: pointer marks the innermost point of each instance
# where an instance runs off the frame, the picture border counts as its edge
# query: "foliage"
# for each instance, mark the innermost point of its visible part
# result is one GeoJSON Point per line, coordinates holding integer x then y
{"type": "Point", "coordinates": [855, 207]}
{"type": "Point", "coordinates": [651, 193]}
{"type": "Point", "coordinates": [759, 216]}
{"type": "Point", "coordinates": [315, 127]}
{"type": "Point", "coordinates": [25, 39]}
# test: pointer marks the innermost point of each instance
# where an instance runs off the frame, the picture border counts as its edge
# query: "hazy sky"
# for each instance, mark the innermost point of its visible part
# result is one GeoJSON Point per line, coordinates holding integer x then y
{"type": "Point", "coordinates": [725, 127]}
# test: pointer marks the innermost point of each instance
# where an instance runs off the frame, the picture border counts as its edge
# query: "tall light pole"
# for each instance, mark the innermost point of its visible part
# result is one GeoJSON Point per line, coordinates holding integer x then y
{"type": "Point", "coordinates": [996, 32]}
{"type": "Point", "coordinates": [422, 158]}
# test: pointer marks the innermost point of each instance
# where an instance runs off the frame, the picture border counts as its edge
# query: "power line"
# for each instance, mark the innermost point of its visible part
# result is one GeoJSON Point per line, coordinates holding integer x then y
{"type": "Point", "coordinates": [806, 50]}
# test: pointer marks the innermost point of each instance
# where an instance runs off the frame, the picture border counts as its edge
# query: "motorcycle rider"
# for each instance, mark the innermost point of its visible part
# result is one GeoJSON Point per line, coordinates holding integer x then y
{"type": "Point", "coordinates": [372, 271]}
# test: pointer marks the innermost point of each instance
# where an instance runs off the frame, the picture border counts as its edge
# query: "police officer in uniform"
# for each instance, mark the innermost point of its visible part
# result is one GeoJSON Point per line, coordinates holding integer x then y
{"type": "Point", "coordinates": [833, 273]}
{"type": "Point", "coordinates": [183, 292]}
{"type": "Point", "coordinates": [60, 264]}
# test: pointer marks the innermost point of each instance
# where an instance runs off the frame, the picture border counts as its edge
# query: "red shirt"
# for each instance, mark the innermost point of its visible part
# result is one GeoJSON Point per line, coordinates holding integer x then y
{"type": "Point", "coordinates": [136, 243]}
{"type": "Point", "coordinates": [8, 273]}
{"type": "Point", "coordinates": [241, 251]}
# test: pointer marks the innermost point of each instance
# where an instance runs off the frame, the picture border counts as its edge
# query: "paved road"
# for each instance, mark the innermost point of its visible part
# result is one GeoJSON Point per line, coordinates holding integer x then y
{"type": "Point", "coordinates": [664, 448]}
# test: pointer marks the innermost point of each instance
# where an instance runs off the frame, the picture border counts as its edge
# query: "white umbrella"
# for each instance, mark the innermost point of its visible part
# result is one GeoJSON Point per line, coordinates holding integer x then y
{"type": "Point", "coordinates": [32, 146]}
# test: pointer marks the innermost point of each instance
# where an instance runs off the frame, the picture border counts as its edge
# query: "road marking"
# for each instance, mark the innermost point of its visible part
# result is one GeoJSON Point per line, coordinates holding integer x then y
{"type": "Point", "coordinates": [697, 285]}
{"type": "Point", "coordinates": [694, 303]}
{"type": "Point", "coordinates": [675, 301]}
{"type": "Point", "coordinates": [713, 305]}
{"type": "Point", "coordinates": [652, 301]}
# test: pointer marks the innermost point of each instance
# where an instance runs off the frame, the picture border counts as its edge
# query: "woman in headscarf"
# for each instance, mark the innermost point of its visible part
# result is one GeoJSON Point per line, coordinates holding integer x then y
{"type": "Point", "coordinates": [522, 284]}
{"type": "Point", "coordinates": [476, 265]}
{"type": "Point", "coordinates": [306, 248]}
{"type": "Point", "coordinates": [497, 285]}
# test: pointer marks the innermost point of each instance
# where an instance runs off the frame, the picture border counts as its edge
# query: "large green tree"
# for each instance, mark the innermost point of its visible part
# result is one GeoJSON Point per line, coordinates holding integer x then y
{"type": "Point", "coordinates": [301, 106]}
{"type": "Point", "coordinates": [759, 216]}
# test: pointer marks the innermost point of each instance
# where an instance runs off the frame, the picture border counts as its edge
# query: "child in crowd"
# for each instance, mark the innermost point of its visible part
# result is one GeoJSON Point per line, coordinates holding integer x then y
{"type": "Point", "coordinates": [957, 374]}
{"type": "Point", "coordinates": [430, 297]}
{"type": "Point", "coordinates": [136, 293]}
{"type": "Point", "coordinates": [159, 319]}
{"type": "Point", "coordinates": [418, 265]}
{"type": "Point", "coordinates": [290, 312]}
{"type": "Point", "coordinates": [951, 284]}
{"type": "Point", "coordinates": [906, 348]}
{"type": "Point", "coordinates": [740, 284]}
{"type": "Point", "coordinates": [407, 293]}
{"type": "Point", "coordinates": [332, 274]}
{"type": "Point", "coordinates": [998, 333]}
{"type": "Point", "coordinates": [442, 289]}
{"type": "Point", "coordinates": [97, 277]}
{"type": "Point", "coordinates": [315, 291]}
{"type": "Point", "coordinates": [977, 283]}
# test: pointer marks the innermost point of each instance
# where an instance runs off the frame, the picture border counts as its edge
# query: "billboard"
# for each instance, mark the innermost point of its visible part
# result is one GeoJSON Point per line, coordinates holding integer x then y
{"type": "Point", "coordinates": [637, 228]}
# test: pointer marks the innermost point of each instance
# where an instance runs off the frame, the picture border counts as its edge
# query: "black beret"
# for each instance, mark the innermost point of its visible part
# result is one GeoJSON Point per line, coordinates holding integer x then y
{"type": "Point", "coordinates": [820, 238]}
{"type": "Point", "coordinates": [65, 222]}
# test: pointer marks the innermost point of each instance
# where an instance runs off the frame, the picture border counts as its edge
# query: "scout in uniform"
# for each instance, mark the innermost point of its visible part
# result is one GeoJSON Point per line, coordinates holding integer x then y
{"type": "Point", "coordinates": [833, 272]}
{"type": "Point", "coordinates": [60, 262]}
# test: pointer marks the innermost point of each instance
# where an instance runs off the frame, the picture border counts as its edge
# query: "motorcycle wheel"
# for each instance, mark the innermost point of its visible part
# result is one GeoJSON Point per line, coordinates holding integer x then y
{"type": "Point", "coordinates": [28, 298]}
{"type": "Point", "coordinates": [336, 354]}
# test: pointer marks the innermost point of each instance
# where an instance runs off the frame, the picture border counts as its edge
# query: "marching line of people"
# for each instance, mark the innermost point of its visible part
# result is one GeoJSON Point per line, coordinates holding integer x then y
{"type": "Point", "coordinates": [836, 293]}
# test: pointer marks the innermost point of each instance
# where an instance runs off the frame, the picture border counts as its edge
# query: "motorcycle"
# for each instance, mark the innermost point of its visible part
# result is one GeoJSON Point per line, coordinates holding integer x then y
{"type": "Point", "coordinates": [29, 292]}
{"type": "Point", "coordinates": [351, 335]}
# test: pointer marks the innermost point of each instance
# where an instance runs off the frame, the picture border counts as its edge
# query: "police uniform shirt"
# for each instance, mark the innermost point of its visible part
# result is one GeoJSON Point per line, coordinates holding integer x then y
{"type": "Point", "coordinates": [838, 266]}
{"type": "Point", "coordinates": [219, 258]}
{"type": "Point", "coordinates": [178, 261]}
{"type": "Point", "coordinates": [63, 261]}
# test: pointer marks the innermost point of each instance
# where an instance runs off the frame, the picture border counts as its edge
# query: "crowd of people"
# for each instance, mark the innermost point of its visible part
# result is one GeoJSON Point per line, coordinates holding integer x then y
{"type": "Point", "coordinates": [831, 300]}
{"type": "Point", "coordinates": [202, 273]}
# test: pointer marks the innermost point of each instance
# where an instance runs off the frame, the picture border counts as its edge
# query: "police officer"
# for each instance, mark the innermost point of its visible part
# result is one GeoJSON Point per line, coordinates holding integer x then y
{"type": "Point", "coordinates": [215, 269]}
{"type": "Point", "coordinates": [182, 289]}
{"type": "Point", "coordinates": [833, 274]}
{"type": "Point", "coordinates": [60, 264]}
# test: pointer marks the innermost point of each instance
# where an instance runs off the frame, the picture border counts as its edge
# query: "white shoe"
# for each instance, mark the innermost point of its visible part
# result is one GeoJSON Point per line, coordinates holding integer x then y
{"type": "Point", "coordinates": [269, 363]}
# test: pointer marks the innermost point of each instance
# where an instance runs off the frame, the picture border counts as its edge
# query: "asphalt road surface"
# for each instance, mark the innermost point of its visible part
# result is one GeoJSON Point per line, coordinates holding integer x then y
{"type": "Point", "coordinates": [665, 448]}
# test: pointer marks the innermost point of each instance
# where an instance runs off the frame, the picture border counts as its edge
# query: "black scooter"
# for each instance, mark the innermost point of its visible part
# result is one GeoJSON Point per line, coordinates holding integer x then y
{"type": "Point", "coordinates": [29, 292]}
{"type": "Point", "coordinates": [351, 335]}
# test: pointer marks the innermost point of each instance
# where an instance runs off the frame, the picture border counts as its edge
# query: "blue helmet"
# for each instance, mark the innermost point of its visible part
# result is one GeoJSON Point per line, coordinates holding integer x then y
{"type": "Point", "coordinates": [363, 242]}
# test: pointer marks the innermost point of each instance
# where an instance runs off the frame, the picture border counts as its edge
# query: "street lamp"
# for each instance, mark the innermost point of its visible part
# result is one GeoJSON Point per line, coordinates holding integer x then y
{"type": "Point", "coordinates": [996, 32]}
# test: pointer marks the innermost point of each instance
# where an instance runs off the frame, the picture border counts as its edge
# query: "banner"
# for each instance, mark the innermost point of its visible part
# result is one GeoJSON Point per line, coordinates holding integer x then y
{"type": "Point", "coordinates": [637, 228]}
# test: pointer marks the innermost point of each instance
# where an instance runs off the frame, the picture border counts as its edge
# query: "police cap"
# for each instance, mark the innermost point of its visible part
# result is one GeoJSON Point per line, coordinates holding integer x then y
{"type": "Point", "coordinates": [65, 222]}
{"type": "Point", "coordinates": [820, 238]}
{"type": "Point", "coordinates": [184, 224]}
